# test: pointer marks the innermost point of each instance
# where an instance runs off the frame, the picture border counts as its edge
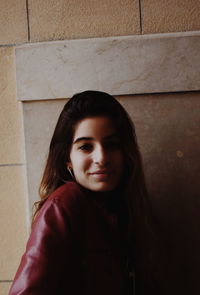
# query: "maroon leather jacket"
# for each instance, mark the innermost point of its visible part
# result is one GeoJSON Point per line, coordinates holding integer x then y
{"type": "Point", "coordinates": [74, 248]}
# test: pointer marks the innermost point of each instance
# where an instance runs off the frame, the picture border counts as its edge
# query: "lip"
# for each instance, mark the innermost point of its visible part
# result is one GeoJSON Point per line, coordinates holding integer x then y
{"type": "Point", "coordinates": [100, 172]}
{"type": "Point", "coordinates": [101, 175]}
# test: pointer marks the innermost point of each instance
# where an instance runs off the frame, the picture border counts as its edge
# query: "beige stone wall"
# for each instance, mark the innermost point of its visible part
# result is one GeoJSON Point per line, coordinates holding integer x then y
{"type": "Point", "coordinates": [5, 288]}
{"type": "Point", "coordinates": [52, 20]}
{"type": "Point", "coordinates": [23, 21]}
{"type": "Point", "coordinates": [55, 20]}
{"type": "Point", "coordinates": [13, 221]}
{"type": "Point", "coordinates": [13, 22]}
{"type": "Point", "coordinates": [161, 16]}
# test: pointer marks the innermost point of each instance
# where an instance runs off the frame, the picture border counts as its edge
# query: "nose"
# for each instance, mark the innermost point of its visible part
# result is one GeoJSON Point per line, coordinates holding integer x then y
{"type": "Point", "coordinates": [100, 156]}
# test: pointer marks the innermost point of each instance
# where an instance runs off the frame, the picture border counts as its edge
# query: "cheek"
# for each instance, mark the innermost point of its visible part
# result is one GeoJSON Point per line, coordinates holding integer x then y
{"type": "Point", "coordinates": [74, 160]}
{"type": "Point", "coordinates": [86, 161]}
{"type": "Point", "coordinates": [80, 162]}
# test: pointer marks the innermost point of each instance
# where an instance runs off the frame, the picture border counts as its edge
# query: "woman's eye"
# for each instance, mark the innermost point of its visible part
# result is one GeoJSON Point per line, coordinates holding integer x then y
{"type": "Point", "coordinates": [85, 147]}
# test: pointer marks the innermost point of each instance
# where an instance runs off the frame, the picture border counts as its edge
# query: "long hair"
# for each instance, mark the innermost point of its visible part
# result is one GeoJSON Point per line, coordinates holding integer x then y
{"type": "Point", "coordinates": [96, 103]}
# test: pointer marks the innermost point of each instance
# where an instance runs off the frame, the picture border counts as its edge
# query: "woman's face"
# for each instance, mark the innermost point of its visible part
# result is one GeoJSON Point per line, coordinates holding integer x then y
{"type": "Point", "coordinates": [96, 157]}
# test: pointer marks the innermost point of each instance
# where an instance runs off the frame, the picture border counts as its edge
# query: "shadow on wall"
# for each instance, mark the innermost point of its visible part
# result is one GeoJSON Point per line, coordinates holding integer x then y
{"type": "Point", "coordinates": [170, 141]}
{"type": "Point", "coordinates": [176, 206]}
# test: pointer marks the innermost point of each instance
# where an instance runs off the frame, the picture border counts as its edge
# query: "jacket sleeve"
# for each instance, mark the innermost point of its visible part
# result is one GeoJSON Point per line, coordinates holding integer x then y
{"type": "Point", "coordinates": [47, 255]}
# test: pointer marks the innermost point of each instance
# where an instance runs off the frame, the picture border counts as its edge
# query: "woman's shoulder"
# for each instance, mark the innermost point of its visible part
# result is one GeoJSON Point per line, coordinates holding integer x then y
{"type": "Point", "coordinates": [68, 194]}
{"type": "Point", "coordinates": [70, 188]}
{"type": "Point", "coordinates": [67, 199]}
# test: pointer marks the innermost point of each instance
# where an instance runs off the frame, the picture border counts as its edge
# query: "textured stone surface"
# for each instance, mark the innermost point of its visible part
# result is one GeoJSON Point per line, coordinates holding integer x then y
{"type": "Point", "coordinates": [4, 287]}
{"type": "Point", "coordinates": [11, 126]}
{"type": "Point", "coordinates": [13, 230]}
{"type": "Point", "coordinates": [53, 20]}
{"type": "Point", "coordinates": [7, 66]}
{"type": "Point", "coordinates": [13, 22]}
{"type": "Point", "coordinates": [134, 64]}
{"type": "Point", "coordinates": [170, 16]}
{"type": "Point", "coordinates": [12, 174]}
{"type": "Point", "coordinates": [11, 144]}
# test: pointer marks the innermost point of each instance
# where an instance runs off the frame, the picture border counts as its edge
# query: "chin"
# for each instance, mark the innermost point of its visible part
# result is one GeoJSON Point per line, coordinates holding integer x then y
{"type": "Point", "coordinates": [104, 187]}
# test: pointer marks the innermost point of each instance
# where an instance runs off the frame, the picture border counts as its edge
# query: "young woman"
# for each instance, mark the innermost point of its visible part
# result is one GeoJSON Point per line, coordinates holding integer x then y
{"type": "Point", "coordinates": [90, 232]}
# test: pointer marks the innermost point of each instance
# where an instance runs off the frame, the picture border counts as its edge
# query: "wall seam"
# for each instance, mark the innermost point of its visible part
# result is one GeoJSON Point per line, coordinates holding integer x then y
{"type": "Point", "coordinates": [6, 281]}
{"type": "Point", "coordinates": [14, 164]}
{"type": "Point", "coordinates": [140, 13]}
{"type": "Point", "coordinates": [28, 23]}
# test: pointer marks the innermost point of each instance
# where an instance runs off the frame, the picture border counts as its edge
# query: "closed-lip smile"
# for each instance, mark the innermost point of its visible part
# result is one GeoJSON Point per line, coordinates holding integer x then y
{"type": "Point", "coordinates": [100, 172]}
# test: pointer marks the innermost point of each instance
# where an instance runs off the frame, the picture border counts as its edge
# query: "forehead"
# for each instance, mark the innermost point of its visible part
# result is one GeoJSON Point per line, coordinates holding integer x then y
{"type": "Point", "coordinates": [100, 126]}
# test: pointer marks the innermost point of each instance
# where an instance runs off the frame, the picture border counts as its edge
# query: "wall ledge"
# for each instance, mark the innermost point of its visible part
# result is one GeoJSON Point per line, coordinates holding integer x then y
{"type": "Point", "coordinates": [119, 65]}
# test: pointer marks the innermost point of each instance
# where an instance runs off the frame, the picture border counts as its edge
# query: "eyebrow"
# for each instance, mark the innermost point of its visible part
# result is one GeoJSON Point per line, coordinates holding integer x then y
{"type": "Point", "coordinates": [82, 138]}
{"type": "Point", "coordinates": [115, 135]}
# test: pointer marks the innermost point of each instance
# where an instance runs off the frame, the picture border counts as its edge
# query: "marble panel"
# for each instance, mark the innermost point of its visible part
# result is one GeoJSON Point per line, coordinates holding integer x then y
{"type": "Point", "coordinates": [121, 65]}
{"type": "Point", "coordinates": [39, 123]}
{"type": "Point", "coordinates": [168, 134]}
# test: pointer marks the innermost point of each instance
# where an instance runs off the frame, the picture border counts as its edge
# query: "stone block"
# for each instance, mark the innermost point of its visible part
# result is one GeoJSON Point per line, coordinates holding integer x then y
{"type": "Point", "coordinates": [11, 125]}
{"type": "Point", "coordinates": [134, 64]}
{"type": "Point", "coordinates": [7, 76]}
{"type": "Point", "coordinates": [4, 287]}
{"type": "Point", "coordinates": [170, 16]}
{"type": "Point", "coordinates": [13, 230]}
{"type": "Point", "coordinates": [11, 144]}
{"type": "Point", "coordinates": [13, 22]}
{"type": "Point", "coordinates": [53, 20]}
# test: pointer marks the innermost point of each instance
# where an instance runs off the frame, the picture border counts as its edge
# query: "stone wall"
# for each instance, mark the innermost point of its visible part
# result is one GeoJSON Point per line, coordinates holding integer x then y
{"type": "Point", "coordinates": [13, 229]}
